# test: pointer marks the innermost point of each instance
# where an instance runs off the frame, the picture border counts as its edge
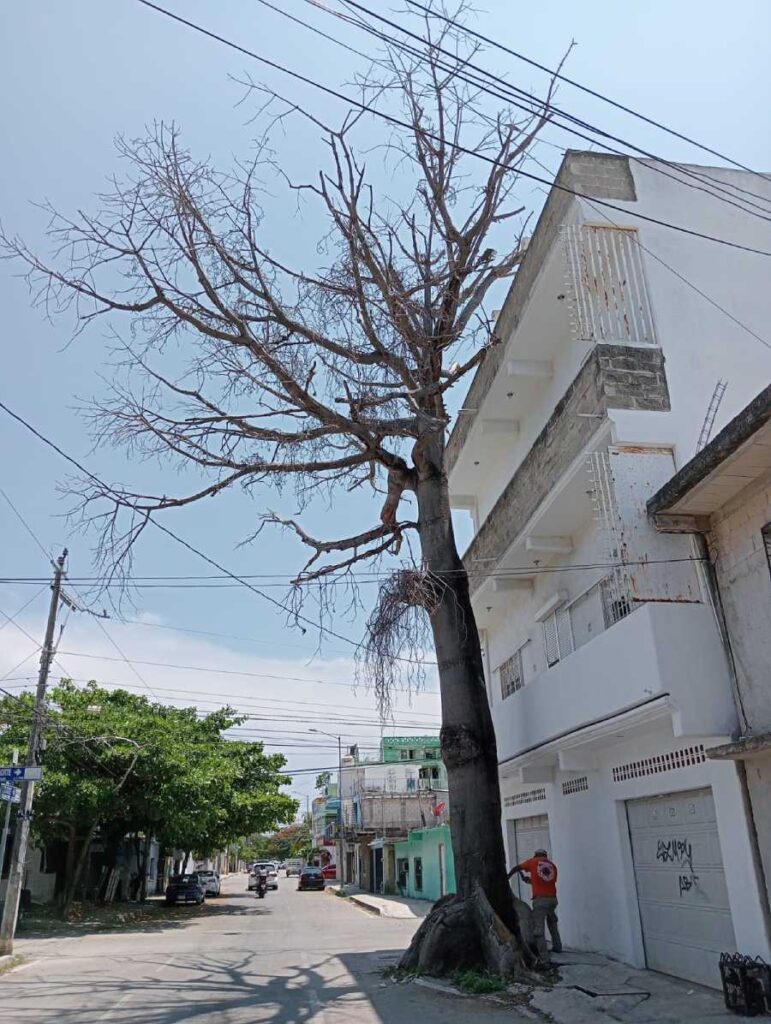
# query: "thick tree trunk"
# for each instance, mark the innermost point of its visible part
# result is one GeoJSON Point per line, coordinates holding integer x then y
{"type": "Point", "coordinates": [478, 927]}
{"type": "Point", "coordinates": [63, 882]}
{"type": "Point", "coordinates": [143, 868]}
{"type": "Point", "coordinates": [112, 845]}
{"type": "Point", "coordinates": [73, 880]}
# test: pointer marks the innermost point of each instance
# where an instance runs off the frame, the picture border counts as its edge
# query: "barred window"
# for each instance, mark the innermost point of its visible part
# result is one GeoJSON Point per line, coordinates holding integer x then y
{"type": "Point", "coordinates": [510, 673]}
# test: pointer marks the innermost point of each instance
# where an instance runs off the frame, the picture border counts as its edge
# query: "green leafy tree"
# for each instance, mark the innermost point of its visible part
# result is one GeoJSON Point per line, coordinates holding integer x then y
{"type": "Point", "coordinates": [117, 763]}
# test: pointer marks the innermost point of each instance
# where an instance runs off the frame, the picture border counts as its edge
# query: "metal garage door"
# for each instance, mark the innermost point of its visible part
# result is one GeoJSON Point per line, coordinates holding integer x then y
{"type": "Point", "coordinates": [681, 890]}
{"type": "Point", "coordinates": [525, 836]}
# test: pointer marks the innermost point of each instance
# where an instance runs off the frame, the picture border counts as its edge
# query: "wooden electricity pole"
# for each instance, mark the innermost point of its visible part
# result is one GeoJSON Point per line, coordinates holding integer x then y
{"type": "Point", "coordinates": [21, 838]}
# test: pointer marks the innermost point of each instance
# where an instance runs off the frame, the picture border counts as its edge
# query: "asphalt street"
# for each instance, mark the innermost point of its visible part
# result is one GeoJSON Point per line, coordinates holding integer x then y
{"type": "Point", "coordinates": [292, 958]}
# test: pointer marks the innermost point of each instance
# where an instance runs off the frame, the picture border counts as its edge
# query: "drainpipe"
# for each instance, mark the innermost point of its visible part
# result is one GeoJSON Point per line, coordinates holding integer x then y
{"type": "Point", "coordinates": [716, 600]}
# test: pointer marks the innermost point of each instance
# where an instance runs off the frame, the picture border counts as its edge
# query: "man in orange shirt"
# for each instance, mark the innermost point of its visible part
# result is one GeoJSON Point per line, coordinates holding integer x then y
{"type": "Point", "coordinates": [541, 874]}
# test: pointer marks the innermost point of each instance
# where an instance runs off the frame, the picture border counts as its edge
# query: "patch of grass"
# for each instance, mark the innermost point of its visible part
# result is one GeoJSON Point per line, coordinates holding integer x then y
{"type": "Point", "coordinates": [46, 920]}
{"type": "Point", "coordinates": [15, 961]}
{"type": "Point", "coordinates": [397, 973]}
{"type": "Point", "coordinates": [478, 983]}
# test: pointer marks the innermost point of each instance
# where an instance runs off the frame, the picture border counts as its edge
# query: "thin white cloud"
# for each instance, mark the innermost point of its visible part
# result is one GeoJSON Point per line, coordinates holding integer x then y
{"type": "Point", "coordinates": [285, 695]}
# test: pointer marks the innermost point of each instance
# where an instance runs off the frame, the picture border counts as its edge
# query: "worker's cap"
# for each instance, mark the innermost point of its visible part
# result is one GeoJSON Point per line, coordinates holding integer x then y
{"type": "Point", "coordinates": [540, 853]}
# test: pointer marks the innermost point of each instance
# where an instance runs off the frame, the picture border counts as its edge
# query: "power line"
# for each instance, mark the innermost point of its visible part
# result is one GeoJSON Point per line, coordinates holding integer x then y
{"type": "Point", "coordinates": [39, 543]}
{"type": "Point", "coordinates": [215, 671]}
{"type": "Point", "coordinates": [190, 547]}
{"type": "Point", "coordinates": [25, 524]}
{"type": "Point", "coordinates": [212, 633]}
{"type": "Point", "coordinates": [368, 108]}
{"type": "Point", "coordinates": [23, 661]}
{"type": "Point", "coordinates": [584, 88]}
{"type": "Point", "coordinates": [681, 277]}
{"type": "Point", "coordinates": [9, 618]}
{"type": "Point", "coordinates": [539, 104]}
{"type": "Point", "coordinates": [218, 696]}
{"type": "Point", "coordinates": [372, 577]}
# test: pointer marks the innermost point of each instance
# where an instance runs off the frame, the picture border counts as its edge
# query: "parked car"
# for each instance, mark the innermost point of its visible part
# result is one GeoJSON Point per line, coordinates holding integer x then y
{"type": "Point", "coordinates": [185, 889]}
{"type": "Point", "coordinates": [310, 878]}
{"type": "Point", "coordinates": [271, 870]}
{"type": "Point", "coordinates": [210, 881]}
{"type": "Point", "coordinates": [329, 871]}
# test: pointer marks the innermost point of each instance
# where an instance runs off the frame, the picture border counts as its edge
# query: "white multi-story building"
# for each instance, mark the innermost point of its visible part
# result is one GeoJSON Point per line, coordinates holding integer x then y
{"type": "Point", "coordinates": [723, 497]}
{"type": "Point", "coordinates": [606, 672]}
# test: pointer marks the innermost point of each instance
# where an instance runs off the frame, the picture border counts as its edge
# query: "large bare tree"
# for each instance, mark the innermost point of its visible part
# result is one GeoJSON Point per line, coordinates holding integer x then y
{"type": "Point", "coordinates": [331, 373]}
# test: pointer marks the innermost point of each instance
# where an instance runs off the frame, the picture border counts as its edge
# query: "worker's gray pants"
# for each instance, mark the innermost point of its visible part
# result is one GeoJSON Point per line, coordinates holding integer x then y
{"type": "Point", "coordinates": [545, 913]}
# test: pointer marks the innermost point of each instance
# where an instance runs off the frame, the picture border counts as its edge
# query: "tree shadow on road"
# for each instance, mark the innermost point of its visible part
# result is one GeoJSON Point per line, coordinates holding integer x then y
{"type": "Point", "coordinates": [151, 916]}
{"type": "Point", "coordinates": [206, 988]}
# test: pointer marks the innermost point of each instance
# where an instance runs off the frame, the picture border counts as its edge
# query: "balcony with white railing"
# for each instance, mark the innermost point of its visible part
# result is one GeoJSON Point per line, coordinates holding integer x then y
{"type": "Point", "coordinates": [669, 651]}
{"type": "Point", "coordinates": [577, 343]}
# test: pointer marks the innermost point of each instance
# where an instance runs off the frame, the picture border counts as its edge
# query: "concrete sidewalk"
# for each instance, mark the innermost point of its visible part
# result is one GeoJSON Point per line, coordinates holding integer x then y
{"type": "Point", "coordinates": [592, 988]}
{"type": "Point", "coordinates": [384, 906]}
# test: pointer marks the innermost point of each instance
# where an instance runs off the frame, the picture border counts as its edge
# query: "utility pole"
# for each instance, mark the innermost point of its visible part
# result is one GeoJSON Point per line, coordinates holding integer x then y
{"type": "Point", "coordinates": [7, 821]}
{"type": "Point", "coordinates": [21, 839]}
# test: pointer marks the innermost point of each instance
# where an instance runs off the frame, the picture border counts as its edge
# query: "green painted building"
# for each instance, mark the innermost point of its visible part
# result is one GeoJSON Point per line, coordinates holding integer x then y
{"type": "Point", "coordinates": [411, 748]}
{"type": "Point", "coordinates": [424, 751]}
{"type": "Point", "coordinates": [425, 867]}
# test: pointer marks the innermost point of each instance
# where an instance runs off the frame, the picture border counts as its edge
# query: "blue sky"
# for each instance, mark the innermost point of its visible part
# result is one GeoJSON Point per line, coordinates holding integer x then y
{"type": "Point", "coordinates": [72, 76]}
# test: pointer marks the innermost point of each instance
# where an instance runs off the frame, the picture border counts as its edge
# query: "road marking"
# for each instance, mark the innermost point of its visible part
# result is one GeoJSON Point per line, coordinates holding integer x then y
{"type": "Point", "coordinates": [319, 1014]}
{"type": "Point", "coordinates": [109, 1013]}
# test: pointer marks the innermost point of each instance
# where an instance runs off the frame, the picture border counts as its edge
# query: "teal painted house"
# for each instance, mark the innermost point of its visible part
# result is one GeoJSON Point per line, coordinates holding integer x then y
{"type": "Point", "coordinates": [425, 868]}
{"type": "Point", "coordinates": [425, 751]}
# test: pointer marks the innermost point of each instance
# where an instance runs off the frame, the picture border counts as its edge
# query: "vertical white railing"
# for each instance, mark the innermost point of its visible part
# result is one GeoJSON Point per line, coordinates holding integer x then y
{"type": "Point", "coordinates": [606, 285]}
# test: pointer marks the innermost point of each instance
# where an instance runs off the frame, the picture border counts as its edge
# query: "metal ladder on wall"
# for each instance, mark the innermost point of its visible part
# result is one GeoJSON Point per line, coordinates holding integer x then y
{"type": "Point", "coordinates": [709, 419]}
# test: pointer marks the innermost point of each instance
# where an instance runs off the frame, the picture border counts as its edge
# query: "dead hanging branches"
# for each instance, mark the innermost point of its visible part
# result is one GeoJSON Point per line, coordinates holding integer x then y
{"type": "Point", "coordinates": [398, 633]}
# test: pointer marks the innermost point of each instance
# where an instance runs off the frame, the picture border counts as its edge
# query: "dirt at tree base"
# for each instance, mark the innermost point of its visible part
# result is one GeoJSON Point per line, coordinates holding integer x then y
{"type": "Point", "coordinates": [466, 933]}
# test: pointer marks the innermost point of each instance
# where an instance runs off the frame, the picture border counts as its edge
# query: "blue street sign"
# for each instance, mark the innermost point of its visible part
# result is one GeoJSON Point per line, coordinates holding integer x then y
{"type": "Point", "coordinates": [8, 792]}
{"type": "Point", "coordinates": [21, 773]}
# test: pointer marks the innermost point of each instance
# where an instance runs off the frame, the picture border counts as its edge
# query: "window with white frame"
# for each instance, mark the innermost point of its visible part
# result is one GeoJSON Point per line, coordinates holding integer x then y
{"type": "Point", "coordinates": [510, 674]}
{"type": "Point", "coordinates": [587, 616]}
{"type": "Point", "coordinates": [557, 635]}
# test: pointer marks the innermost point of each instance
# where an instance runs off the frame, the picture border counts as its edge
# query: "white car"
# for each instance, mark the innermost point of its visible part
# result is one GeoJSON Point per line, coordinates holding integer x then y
{"type": "Point", "coordinates": [210, 880]}
{"type": "Point", "coordinates": [271, 870]}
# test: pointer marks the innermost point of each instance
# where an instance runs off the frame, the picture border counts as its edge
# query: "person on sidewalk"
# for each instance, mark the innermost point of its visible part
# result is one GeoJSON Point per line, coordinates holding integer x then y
{"type": "Point", "coordinates": [540, 873]}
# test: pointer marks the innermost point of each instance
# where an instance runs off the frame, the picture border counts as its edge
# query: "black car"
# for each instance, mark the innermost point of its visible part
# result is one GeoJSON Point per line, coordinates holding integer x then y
{"type": "Point", "coordinates": [310, 878]}
{"type": "Point", "coordinates": [185, 889]}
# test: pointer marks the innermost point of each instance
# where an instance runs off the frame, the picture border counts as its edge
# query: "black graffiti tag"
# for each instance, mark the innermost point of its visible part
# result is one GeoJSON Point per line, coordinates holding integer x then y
{"type": "Point", "coordinates": [675, 851]}
{"type": "Point", "coordinates": [687, 882]}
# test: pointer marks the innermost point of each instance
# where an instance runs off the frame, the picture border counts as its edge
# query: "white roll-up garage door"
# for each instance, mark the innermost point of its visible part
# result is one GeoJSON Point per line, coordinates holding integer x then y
{"type": "Point", "coordinates": [681, 890]}
{"type": "Point", "coordinates": [525, 836]}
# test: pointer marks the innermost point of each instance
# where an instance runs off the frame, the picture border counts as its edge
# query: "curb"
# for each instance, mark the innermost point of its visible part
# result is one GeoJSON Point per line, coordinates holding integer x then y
{"type": "Point", "coordinates": [365, 905]}
{"type": "Point", "coordinates": [8, 961]}
{"type": "Point", "coordinates": [352, 898]}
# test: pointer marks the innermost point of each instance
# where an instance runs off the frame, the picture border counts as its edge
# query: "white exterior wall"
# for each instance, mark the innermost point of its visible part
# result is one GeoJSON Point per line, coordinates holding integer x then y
{"type": "Point", "coordinates": [662, 669]}
{"type": "Point", "coordinates": [512, 622]}
{"type": "Point", "coordinates": [744, 578]}
{"type": "Point", "coordinates": [591, 846]}
{"type": "Point", "coordinates": [700, 343]}
{"type": "Point", "coordinates": [533, 399]}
